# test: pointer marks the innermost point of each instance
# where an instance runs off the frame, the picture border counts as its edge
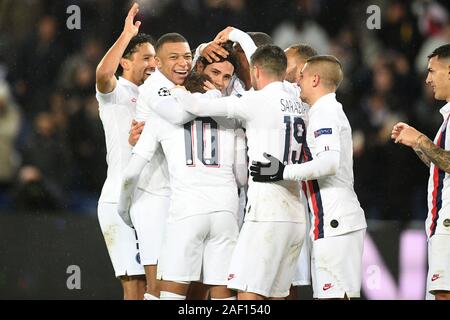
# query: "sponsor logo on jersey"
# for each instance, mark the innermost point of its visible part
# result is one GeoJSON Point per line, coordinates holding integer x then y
{"type": "Point", "coordinates": [230, 276]}
{"type": "Point", "coordinates": [134, 100]}
{"type": "Point", "coordinates": [327, 286]}
{"type": "Point", "coordinates": [322, 131]}
{"type": "Point", "coordinates": [435, 277]}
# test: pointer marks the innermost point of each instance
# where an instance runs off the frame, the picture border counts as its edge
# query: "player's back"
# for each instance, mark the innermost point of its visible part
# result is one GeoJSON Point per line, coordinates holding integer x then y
{"type": "Point", "coordinates": [275, 124]}
{"type": "Point", "coordinates": [200, 157]}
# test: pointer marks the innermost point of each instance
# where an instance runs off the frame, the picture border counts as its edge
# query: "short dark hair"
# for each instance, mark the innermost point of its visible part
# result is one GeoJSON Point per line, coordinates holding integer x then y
{"type": "Point", "coordinates": [172, 37]}
{"type": "Point", "coordinates": [441, 52]}
{"type": "Point", "coordinates": [133, 46]}
{"type": "Point", "coordinates": [271, 59]}
{"type": "Point", "coordinates": [303, 51]}
{"type": "Point", "coordinates": [260, 38]}
{"type": "Point", "coordinates": [194, 82]}
{"type": "Point", "coordinates": [231, 58]}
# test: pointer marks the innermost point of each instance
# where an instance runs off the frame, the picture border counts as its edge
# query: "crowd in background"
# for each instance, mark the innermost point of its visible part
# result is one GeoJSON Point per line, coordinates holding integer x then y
{"type": "Point", "coordinates": [52, 148]}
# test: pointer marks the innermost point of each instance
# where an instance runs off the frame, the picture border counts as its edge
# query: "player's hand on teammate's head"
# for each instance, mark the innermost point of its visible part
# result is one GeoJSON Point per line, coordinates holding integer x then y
{"type": "Point", "coordinates": [224, 35]}
{"type": "Point", "coordinates": [213, 50]}
{"type": "Point", "coordinates": [131, 27]}
{"type": "Point", "coordinates": [267, 172]}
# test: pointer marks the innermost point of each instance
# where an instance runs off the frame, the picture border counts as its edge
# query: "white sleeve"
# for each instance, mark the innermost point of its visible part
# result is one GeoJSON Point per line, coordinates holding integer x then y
{"type": "Point", "coordinates": [240, 158]}
{"type": "Point", "coordinates": [171, 110]}
{"type": "Point", "coordinates": [326, 133]}
{"type": "Point", "coordinates": [244, 40]}
{"type": "Point", "coordinates": [128, 186]}
{"type": "Point", "coordinates": [147, 143]}
{"type": "Point", "coordinates": [110, 97]}
{"type": "Point", "coordinates": [325, 164]}
{"type": "Point", "coordinates": [200, 107]}
{"type": "Point", "coordinates": [142, 108]}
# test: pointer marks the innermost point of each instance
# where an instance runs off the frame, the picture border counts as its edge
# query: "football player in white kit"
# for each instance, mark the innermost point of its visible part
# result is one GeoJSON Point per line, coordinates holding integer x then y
{"type": "Point", "coordinates": [202, 226]}
{"type": "Point", "coordinates": [297, 55]}
{"type": "Point", "coordinates": [269, 244]}
{"type": "Point", "coordinates": [338, 222]}
{"type": "Point", "coordinates": [296, 58]}
{"type": "Point", "coordinates": [436, 155]}
{"type": "Point", "coordinates": [134, 55]}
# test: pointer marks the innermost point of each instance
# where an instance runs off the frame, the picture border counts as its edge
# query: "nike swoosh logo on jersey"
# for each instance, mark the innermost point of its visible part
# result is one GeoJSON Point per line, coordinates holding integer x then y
{"type": "Point", "coordinates": [435, 277]}
{"type": "Point", "coordinates": [327, 286]}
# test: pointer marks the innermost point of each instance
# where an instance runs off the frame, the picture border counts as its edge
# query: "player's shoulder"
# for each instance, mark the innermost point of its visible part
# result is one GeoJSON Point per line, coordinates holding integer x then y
{"type": "Point", "coordinates": [291, 88]}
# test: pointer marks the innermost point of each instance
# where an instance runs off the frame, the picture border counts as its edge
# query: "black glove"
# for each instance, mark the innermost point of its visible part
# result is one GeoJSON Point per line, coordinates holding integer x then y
{"type": "Point", "coordinates": [267, 172]}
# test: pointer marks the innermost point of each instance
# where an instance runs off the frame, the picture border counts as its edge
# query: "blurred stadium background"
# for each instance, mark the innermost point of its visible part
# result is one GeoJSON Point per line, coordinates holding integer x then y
{"type": "Point", "coordinates": [52, 149]}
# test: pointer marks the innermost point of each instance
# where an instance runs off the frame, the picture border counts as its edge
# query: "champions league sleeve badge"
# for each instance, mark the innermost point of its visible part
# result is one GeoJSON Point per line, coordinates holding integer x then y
{"type": "Point", "coordinates": [163, 92]}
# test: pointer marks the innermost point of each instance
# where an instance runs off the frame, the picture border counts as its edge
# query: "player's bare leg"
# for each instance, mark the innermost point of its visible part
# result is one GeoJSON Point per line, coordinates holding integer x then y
{"type": "Point", "coordinates": [197, 291]}
{"type": "Point", "coordinates": [249, 296]}
{"type": "Point", "coordinates": [442, 295]}
{"type": "Point", "coordinates": [222, 293]}
{"type": "Point", "coordinates": [153, 285]}
{"type": "Point", "coordinates": [293, 294]}
{"type": "Point", "coordinates": [133, 287]}
{"type": "Point", "coordinates": [171, 290]}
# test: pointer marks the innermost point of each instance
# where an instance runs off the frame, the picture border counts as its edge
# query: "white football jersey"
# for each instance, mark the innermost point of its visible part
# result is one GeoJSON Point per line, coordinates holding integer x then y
{"type": "Point", "coordinates": [274, 121]}
{"type": "Point", "coordinates": [117, 109]}
{"type": "Point", "coordinates": [438, 219]}
{"type": "Point", "coordinates": [333, 202]}
{"type": "Point", "coordinates": [200, 155]}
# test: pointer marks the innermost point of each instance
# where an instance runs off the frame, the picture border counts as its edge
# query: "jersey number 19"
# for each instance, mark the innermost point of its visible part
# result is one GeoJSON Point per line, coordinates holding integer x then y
{"type": "Point", "coordinates": [294, 139]}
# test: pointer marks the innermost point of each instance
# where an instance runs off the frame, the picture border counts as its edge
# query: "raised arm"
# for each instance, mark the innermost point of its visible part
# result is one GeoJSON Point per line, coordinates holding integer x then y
{"type": "Point", "coordinates": [105, 78]}
{"type": "Point", "coordinates": [236, 35]}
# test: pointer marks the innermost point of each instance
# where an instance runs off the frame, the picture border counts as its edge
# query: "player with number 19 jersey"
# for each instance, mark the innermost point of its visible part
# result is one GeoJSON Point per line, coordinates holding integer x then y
{"type": "Point", "coordinates": [279, 131]}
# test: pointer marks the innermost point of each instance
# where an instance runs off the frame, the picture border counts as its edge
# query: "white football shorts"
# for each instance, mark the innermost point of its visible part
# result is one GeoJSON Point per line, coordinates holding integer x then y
{"type": "Point", "coordinates": [149, 216]}
{"type": "Point", "coordinates": [265, 257]}
{"type": "Point", "coordinates": [438, 263]}
{"type": "Point", "coordinates": [121, 241]}
{"type": "Point", "coordinates": [199, 248]}
{"type": "Point", "coordinates": [336, 265]}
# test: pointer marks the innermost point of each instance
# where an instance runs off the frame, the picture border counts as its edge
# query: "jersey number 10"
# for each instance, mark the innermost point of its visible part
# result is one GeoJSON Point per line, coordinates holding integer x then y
{"type": "Point", "coordinates": [207, 143]}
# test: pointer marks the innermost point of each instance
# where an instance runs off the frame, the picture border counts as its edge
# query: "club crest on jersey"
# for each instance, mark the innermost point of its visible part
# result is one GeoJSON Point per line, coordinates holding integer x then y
{"type": "Point", "coordinates": [322, 131]}
{"type": "Point", "coordinates": [163, 92]}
